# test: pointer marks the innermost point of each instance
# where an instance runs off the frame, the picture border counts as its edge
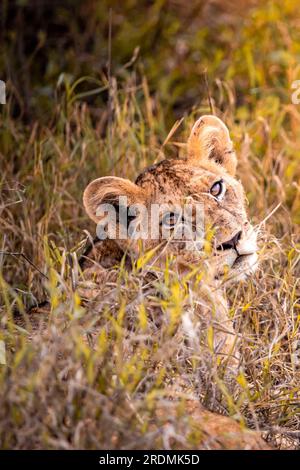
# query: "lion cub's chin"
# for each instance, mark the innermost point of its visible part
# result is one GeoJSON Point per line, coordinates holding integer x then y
{"type": "Point", "coordinates": [236, 268]}
{"type": "Point", "coordinates": [244, 266]}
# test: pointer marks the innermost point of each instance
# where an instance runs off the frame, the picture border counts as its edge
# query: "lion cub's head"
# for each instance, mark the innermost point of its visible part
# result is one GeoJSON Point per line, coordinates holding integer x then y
{"type": "Point", "coordinates": [177, 204]}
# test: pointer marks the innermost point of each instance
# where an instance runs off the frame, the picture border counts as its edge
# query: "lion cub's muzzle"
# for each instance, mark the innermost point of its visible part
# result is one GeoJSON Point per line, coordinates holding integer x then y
{"type": "Point", "coordinates": [240, 252]}
{"type": "Point", "coordinates": [243, 244]}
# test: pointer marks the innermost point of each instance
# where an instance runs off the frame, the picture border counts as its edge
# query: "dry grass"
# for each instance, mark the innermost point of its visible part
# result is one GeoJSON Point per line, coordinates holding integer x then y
{"type": "Point", "coordinates": [95, 376]}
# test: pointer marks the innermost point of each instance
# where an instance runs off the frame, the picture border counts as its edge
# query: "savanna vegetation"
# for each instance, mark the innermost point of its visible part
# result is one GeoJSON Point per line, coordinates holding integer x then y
{"type": "Point", "coordinates": [100, 88]}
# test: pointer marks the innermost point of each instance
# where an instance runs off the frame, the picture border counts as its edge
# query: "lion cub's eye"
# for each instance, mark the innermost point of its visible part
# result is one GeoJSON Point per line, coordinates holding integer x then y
{"type": "Point", "coordinates": [218, 190]}
{"type": "Point", "coordinates": [170, 219]}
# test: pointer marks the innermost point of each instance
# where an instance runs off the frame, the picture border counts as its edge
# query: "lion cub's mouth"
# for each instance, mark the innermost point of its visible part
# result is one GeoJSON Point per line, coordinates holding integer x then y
{"type": "Point", "coordinates": [241, 259]}
{"type": "Point", "coordinates": [239, 253]}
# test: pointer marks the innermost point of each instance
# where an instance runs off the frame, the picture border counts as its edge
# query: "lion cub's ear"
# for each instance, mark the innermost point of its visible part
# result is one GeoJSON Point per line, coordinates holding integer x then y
{"type": "Point", "coordinates": [107, 190]}
{"type": "Point", "coordinates": [210, 141]}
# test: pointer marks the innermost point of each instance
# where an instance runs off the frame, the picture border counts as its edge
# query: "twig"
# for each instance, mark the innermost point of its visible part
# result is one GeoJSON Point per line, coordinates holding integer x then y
{"type": "Point", "coordinates": [211, 105]}
{"type": "Point", "coordinates": [109, 86]}
{"type": "Point", "coordinates": [15, 254]}
{"type": "Point", "coordinates": [268, 216]}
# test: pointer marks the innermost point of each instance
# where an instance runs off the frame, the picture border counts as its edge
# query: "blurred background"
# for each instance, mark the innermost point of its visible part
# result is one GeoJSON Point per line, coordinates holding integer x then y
{"type": "Point", "coordinates": [172, 43]}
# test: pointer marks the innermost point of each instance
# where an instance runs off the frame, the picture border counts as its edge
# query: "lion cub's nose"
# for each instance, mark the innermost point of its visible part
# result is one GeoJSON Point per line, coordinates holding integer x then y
{"type": "Point", "coordinates": [232, 243]}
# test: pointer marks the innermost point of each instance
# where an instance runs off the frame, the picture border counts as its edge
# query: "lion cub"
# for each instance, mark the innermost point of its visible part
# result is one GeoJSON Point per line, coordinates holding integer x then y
{"type": "Point", "coordinates": [205, 184]}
